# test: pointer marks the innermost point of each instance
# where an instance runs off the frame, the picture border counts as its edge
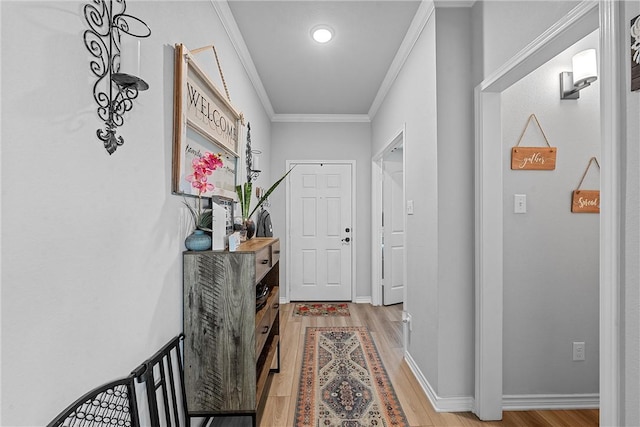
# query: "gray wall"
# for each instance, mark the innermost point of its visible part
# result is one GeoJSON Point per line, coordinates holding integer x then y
{"type": "Point", "coordinates": [507, 27]}
{"type": "Point", "coordinates": [411, 102]}
{"type": "Point", "coordinates": [327, 141]}
{"type": "Point", "coordinates": [630, 180]}
{"type": "Point", "coordinates": [440, 278]}
{"type": "Point", "coordinates": [455, 201]}
{"type": "Point", "coordinates": [551, 256]}
{"type": "Point", "coordinates": [91, 243]}
{"type": "Point", "coordinates": [65, 227]}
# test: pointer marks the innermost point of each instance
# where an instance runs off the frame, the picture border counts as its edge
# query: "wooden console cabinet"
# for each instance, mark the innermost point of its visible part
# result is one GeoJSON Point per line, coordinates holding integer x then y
{"type": "Point", "coordinates": [229, 347]}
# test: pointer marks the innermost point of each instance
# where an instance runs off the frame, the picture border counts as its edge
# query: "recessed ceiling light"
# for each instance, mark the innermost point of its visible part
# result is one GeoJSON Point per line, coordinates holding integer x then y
{"type": "Point", "coordinates": [322, 33]}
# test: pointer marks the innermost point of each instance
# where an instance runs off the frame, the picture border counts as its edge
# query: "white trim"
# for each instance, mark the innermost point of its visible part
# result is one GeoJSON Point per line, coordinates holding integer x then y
{"type": "Point", "coordinates": [231, 27]}
{"type": "Point", "coordinates": [523, 402]}
{"type": "Point", "coordinates": [356, 300]}
{"type": "Point", "coordinates": [376, 215]}
{"type": "Point", "coordinates": [424, 12]}
{"type": "Point", "coordinates": [610, 113]}
{"type": "Point", "coordinates": [320, 118]}
{"type": "Point", "coordinates": [440, 404]}
{"type": "Point", "coordinates": [541, 402]}
{"type": "Point", "coordinates": [362, 300]}
{"type": "Point", "coordinates": [354, 229]}
{"type": "Point", "coordinates": [489, 223]}
{"type": "Point", "coordinates": [543, 48]}
{"type": "Point", "coordinates": [489, 256]}
{"type": "Point", "coordinates": [454, 3]}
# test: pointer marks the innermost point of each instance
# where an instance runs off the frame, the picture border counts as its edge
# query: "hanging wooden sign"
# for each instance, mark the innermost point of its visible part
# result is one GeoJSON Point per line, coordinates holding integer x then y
{"type": "Point", "coordinates": [533, 158]}
{"type": "Point", "coordinates": [586, 201]}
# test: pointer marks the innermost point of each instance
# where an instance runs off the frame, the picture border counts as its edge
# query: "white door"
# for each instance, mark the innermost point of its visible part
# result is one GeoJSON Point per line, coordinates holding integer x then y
{"type": "Point", "coordinates": [393, 223]}
{"type": "Point", "coordinates": [320, 232]}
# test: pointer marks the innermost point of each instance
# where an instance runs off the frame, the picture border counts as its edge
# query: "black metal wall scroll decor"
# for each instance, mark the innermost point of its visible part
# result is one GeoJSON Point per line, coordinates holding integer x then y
{"type": "Point", "coordinates": [113, 91]}
{"type": "Point", "coordinates": [635, 53]}
{"type": "Point", "coordinates": [252, 174]}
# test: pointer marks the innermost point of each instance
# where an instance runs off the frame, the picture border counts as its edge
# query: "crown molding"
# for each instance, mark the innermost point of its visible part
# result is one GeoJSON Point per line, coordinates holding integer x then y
{"type": "Point", "coordinates": [320, 118]}
{"type": "Point", "coordinates": [454, 3]}
{"type": "Point", "coordinates": [425, 10]}
{"type": "Point", "coordinates": [231, 27]}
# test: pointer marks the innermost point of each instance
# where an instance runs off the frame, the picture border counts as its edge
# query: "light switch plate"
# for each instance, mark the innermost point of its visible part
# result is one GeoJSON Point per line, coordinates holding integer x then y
{"type": "Point", "coordinates": [409, 207]}
{"type": "Point", "coordinates": [519, 203]}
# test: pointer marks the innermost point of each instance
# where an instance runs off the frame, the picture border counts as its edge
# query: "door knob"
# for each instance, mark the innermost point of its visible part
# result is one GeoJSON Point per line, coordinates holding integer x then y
{"type": "Point", "coordinates": [346, 239]}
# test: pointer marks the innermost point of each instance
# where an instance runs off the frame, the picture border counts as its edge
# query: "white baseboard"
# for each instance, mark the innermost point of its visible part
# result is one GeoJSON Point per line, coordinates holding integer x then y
{"type": "Point", "coordinates": [440, 404]}
{"type": "Point", "coordinates": [358, 300]}
{"type": "Point", "coordinates": [529, 402]}
{"type": "Point", "coordinates": [533, 402]}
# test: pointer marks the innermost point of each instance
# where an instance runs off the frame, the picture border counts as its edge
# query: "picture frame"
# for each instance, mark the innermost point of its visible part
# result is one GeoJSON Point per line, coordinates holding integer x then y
{"type": "Point", "coordinates": [634, 32]}
{"type": "Point", "coordinates": [204, 120]}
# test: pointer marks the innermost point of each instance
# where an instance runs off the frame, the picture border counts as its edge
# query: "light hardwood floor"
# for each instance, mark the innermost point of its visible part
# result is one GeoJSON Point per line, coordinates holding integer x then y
{"type": "Point", "coordinates": [385, 326]}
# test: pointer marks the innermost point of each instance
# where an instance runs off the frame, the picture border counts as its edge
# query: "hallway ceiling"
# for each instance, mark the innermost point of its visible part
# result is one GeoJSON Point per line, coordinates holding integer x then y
{"type": "Point", "coordinates": [347, 77]}
{"type": "Point", "coordinates": [301, 76]}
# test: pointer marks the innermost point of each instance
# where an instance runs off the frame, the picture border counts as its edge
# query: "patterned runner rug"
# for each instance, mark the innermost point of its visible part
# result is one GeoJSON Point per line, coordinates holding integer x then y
{"type": "Point", "coordinates": [343, 382]}
{"type": "Point", "coordinates": [321, 309]}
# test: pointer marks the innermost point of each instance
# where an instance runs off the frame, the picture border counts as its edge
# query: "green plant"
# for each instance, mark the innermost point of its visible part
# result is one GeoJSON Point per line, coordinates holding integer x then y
{"type": "Point", "coordinates": [202, 219]}
{"type": "Point", "coordinates": [244, 196]}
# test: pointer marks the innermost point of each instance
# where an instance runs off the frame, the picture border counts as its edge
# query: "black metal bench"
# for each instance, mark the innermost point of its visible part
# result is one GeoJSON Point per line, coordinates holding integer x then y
{"type": "Point", "coordinates": [116, 403]}
{"type": "Point", "coordinates": [113, 403]}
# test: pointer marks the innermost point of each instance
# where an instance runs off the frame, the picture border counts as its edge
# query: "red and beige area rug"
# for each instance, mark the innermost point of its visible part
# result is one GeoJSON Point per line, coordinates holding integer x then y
{"type": "Point", "coordinates": [344, 383]}
{"type": "Point", "coordinates": [321, 309]}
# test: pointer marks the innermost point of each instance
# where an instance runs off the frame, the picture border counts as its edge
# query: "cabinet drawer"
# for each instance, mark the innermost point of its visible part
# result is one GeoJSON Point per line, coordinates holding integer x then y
{"type": "Point", "coordinates": [262, 329]}
{"type": "Point", "coordinates": [274, 303]}
{"type": "Point", "coordinates": [263, 262]}
{"type": "Point", "coordinates": [275, 252]}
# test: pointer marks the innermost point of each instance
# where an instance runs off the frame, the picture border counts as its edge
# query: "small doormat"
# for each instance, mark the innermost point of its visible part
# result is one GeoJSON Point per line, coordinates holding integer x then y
{"type": "Point", "coordinates": [343, 381]}
{"type": "Point", "coordinates": [321, 309]}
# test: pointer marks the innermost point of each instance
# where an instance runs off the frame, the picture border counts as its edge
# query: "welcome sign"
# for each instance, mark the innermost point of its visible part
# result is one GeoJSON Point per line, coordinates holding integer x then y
{"type": "Point", "coordinates": [204, 120]}
{"type": "Point", "coordinates": [210, 116]}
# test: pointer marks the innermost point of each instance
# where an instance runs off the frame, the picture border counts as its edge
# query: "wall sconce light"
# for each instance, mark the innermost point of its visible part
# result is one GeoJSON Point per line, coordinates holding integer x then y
{"type": "Point", "coordinates": [585, 72]}
{"type": "Point", "coordinates": [252, 168]}
{"type": "Point", "coordinates": [107, 34]}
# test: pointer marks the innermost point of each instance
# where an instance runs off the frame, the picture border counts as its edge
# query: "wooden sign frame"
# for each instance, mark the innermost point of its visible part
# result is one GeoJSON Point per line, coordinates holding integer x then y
{"type": "Point", "coordinates": [635, 53]}
{"type": "Point", "coordinates": [586, 201]}
{"type": "Point", "coordinates": [204, 120]}
{"type": "Point", "coordinates": [533, 158]}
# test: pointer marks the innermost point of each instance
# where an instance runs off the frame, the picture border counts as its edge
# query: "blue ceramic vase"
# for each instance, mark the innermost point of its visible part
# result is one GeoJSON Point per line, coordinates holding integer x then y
{"type": "Point", "coordinates": [198, 241]}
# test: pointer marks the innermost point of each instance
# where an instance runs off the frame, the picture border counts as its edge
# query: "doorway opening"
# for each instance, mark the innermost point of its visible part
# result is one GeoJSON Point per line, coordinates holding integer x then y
{"type": "Point", "coordinates": [389, 224]}
{"type": "Point", "coordinates": [582, 20]}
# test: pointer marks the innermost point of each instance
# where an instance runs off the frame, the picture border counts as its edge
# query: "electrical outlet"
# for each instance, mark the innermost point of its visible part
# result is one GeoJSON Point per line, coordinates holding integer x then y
{"type": "Point", "coordinates": [578, 350]}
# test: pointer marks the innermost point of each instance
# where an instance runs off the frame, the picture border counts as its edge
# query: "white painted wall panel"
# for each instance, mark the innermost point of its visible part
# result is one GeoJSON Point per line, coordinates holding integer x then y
{"type": "Point", "coordinates": [551, 255]}
{"type": "Point", "coordinates": [411, 101]}
{"type": "Point", "coordinates": [91, 243]}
